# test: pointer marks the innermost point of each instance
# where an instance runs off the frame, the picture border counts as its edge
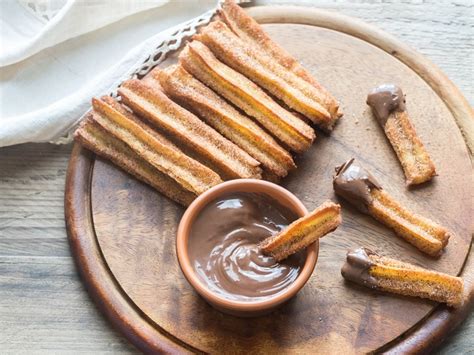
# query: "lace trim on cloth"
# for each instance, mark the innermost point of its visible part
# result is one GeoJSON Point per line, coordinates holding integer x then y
{"type": "Point", "coordinates": [162, 49]}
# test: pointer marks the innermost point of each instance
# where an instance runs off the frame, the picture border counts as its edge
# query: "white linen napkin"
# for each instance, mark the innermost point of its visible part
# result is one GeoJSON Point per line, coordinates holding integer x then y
{"type": "Point", "coordinates": [30, 26]}
{"type": "Point", "coordinates": [56, 71]}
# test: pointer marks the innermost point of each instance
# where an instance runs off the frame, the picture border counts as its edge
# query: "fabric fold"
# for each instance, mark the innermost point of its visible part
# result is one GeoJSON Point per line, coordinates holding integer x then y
{"type": "Point", "coordinates": [73, 19]}
{"type": "Point", "coordinates": [55, 122]}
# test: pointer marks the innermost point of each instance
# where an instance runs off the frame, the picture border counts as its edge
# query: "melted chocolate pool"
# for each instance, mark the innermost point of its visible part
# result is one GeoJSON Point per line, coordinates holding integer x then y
{"type": "Point", "coordinates": [223, 248]}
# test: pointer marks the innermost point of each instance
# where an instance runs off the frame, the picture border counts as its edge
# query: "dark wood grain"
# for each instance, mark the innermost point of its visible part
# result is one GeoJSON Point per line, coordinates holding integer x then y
{"type": "Point", "coordinates": [135, 227]}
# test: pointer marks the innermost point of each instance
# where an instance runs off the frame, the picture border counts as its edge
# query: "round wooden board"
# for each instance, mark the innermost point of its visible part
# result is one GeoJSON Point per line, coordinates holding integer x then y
{"type": "Point", "coordinates": [122, 232]}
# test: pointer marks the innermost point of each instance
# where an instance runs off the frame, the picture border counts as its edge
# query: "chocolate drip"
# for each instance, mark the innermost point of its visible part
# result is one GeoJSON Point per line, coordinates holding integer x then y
{"type": "Point", "coordinates": [357, 267]}
{"type": "Point", "coordinates": [385, 99]}
{"type": "Point", "coordinates": [354, 184]}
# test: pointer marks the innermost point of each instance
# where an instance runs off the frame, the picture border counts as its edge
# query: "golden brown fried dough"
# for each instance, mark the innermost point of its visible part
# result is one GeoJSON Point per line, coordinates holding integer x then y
{"type": "Point", "coordinates": [388, 105]}
{"type": "Point", "coordinates": [295, 92]}
{"type": "Point", "coordinates": [94, 138]}
{"type": "Point", "coordinates": [192, 94]}
{"type": "Point", "coordinates": [367, 268]}
{"type": "Point", "coordinates": [153, 148]}
{"type": "Point", "coordinates": [250, 31]}
{"type": "Point", "coordinates": [198, 60]}
{"type": "Point", "coordinates": [303, 232]}
{"type": "Point", "coordinates": [423, 233]}
{"type": "Point", "coordinates": [361, 189]}
{"type": "Point", "coordinates": [208, 145]}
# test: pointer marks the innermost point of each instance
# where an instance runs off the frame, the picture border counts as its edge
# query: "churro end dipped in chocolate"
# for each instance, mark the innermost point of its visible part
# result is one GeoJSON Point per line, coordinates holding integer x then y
{"type": "Point", "coordinates": [371, 270]}
{"type": "Point", "coordinates": [354, 184]}
{"type": "Point", "coordinates": [384, 100]}
{"type": "Point", "coordinates": [388, 106]}
{"type": "Point", "coordinates": [303, 232]}
{"type": "Point", "coordinates": [360, 188]}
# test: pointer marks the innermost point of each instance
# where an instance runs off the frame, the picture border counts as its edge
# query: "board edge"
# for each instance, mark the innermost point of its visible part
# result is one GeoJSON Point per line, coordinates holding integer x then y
{"type": "Point", "coordinates": [100, 283]}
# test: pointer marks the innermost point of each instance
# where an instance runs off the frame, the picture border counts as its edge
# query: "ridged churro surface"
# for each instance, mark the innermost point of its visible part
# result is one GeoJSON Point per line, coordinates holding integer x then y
{"type": "Point", "coordinates": [419, 231]}
{"type": "Point", "coordinates": [192, 94]}
{"type": "Point", "coordinates": [295, 92]}
{"type": "Point", "coordinates": [303, 232]}
{"type": "Point", "coordinates": [151, 103]}
{"type": "Point", "coordinates": [250, 31]}
{"type": "Point", "coordinates": [107, 146]}
{"type": "Point", "coordinates": [153, 147]}
{"type": "Point", "coordinates": [198, 60]}
{"type": "Point", "coordinates": [415, 160]}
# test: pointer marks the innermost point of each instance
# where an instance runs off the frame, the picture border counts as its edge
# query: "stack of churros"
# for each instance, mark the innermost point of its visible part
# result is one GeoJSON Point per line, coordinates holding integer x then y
{"type": "Point", "coordinates": [294, 133]}
{"type": "Point", "coordinates": [115, 133]}
{"type": "Point", "coordinates": [210, 118]}
{"type": "Point", "coordinates": [240, 129]}
{"type": "Point", "coordinates": [285, 85]}
{"type": "Point", "coordinates": [250, 31]}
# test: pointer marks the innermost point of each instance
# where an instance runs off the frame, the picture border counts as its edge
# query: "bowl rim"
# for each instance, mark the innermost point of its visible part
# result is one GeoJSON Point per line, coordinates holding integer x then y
{"type": "Point", "coordinates": [241, 185]}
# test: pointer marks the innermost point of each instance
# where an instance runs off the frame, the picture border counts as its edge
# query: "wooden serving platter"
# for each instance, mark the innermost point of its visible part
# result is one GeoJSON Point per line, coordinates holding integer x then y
{"type": "Point", "coordinates": [122, 232]}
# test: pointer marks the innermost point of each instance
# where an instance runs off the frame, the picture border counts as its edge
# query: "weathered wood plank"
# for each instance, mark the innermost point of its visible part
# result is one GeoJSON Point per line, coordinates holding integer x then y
{"type": "Point", "coordinates": [44, 307]}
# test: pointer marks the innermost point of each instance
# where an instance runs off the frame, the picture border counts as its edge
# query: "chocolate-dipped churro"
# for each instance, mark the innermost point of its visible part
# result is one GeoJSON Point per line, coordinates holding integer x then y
{"type": "Point", "coordinates": [368, 269]}
{"type": "Point", "coordinates": [388, 105]}
{"type": "Point", "coordinates": [360, 188]}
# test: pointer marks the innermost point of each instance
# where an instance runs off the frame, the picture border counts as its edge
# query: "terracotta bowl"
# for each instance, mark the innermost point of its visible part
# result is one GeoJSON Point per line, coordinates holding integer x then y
{"type": "Point", "coordinates": [242, 308]}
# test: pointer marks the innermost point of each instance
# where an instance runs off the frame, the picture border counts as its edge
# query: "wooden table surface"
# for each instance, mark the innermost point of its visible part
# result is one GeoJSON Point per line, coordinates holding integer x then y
{"type": "Point", "coordinates": [43, 304]}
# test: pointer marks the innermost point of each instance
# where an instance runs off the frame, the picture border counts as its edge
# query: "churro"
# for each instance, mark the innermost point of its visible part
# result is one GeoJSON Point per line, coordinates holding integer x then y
{"type": "Point", "coordinates": [303, 232]}
{"type": "Point", "coordinates": [250, 31]}
{"type": "Point", "coordinates": [195, 96]}
{"type": "Point", "coordinates": [360, 188]}
{"type": "Point", "coordinates": [388, 105]}
{"type": "Point", "coordinates": [198, 60]}
{"type": "Point", "coordinates": [94, 138]}
{"type": "Point", "coordinates": [295, 92]}
{"type": "Point", "coordinates": [367, 268]}
{"type": "Point", "coordinates": [152, 147]}
{"type": "Point", "coordinates": [208, 145]}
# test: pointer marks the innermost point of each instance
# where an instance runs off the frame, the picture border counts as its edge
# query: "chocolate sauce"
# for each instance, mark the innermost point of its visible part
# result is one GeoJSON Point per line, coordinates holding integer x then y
{"type": "Point", "coordinates": [223, 248]}
{"type": "Point", "coordinates": [354, 184]}
{"type": "Point", "coordinates": [357, 266]}
{"type": "Point", "coordinates": [385, 99]}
